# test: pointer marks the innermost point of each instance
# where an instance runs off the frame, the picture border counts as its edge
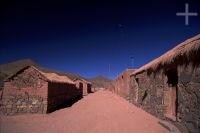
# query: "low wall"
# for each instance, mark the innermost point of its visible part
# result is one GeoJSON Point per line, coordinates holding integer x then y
{"type": "Point", "coordinates": [151, 91]}
{"type": "Point", "coordinates": [20, 104]}
{"type": "Point", "coordinates": [49, 97]}
{"type": "Point", "coordinates": [62, 95]}
{"type": "Point", "coordinates": [23, 100]}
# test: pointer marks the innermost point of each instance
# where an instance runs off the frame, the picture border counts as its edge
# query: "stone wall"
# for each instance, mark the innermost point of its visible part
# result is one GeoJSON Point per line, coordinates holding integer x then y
{"type": "Point", "coordinates": [188, 113]}
{"type": "Point", "coordinates": [29, 92]}
{"type": "Point", "coordinates": [61, 94]}
{"type": "Point", "coordinates": [121, 85]}
{"type": "Point", "coordinates": [23, 100]}
{"type": "Point", "coordinates": [20, 104]}
{"type": "Point", "coordinates": [149, 91]}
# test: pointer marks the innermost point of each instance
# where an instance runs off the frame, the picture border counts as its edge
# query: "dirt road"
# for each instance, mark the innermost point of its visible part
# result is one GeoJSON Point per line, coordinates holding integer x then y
{"type": "Point", "coordinates": [100, 112]}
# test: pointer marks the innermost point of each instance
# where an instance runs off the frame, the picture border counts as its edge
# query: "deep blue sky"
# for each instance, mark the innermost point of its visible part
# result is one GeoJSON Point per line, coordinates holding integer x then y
{"type": "Point", "coordinates": [85, 37]}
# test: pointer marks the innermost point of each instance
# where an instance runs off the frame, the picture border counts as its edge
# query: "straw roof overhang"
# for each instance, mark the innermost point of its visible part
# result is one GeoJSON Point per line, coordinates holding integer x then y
{"type": "Point", "coordinates": [184, 53]}
{"type": "Point", "coordinates": [83, 80]}
{"type": "Point", "coordinates": [50, 77]}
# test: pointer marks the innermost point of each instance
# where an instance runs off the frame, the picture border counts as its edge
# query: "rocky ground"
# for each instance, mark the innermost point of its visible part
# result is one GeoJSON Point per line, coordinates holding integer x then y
{"type": "Point", "coordinates": [100, 112]}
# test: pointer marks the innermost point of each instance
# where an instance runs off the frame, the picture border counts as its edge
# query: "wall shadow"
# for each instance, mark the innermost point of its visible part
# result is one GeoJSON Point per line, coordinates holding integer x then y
{"type": "Point", "coordinates": [62, 95]}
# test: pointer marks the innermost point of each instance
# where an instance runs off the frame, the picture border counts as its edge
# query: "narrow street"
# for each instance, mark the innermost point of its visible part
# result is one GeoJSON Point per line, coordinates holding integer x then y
{"type": "Point", "coordinates": [100, 112]}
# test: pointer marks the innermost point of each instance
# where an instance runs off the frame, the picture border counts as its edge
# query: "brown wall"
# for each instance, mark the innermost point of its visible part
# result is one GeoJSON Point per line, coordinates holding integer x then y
{"type": "Point", "coordinates": [48, 98]}
{"type": "Point", "coordinates": [24, 100]}
{"type": "Point", "coordinates": [84, 86]}
{"type": "Point", "coordinates": [11, 90]}
{"type": "Point", "coordinates": [60, 94]}
{"type": "Point", "coordinates": [121, 85]}
{"type": "Point", "coordinates": [29, 92]}
{"type": "Point", "coordinates": [154, 90]}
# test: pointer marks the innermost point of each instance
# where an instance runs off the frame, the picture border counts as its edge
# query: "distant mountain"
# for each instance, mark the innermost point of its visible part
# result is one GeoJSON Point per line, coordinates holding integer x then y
{"type": "Point", "coordinates": [11, 68]}
{"type": "Point", "coordinates": [99, 81]}
{"type": "Point", "coordinates": [72, 76]}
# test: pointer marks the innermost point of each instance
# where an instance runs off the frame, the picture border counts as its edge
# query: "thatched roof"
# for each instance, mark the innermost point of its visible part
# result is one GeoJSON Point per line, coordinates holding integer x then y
{"type": "Point", "coordinates": [184, 53]}
{"type": "Point", "coordinates": [87, 82]}
{"type": "Point", "coordinates": [51, 77]}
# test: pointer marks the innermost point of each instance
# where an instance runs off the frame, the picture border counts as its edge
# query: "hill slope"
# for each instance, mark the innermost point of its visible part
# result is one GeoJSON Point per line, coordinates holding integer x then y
{"type": "Point", "coordinates": [99, 81]}
{"type": "Point", "coordinates": [11, 68]}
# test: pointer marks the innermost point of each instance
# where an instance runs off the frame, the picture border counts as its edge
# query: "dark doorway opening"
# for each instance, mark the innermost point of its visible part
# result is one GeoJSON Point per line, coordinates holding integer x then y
{"type": "Point", "coordinates": [89, 88]}
{"type": "Point", "coordinates": [171, 96]}
{"type": "Point", "coordinates": [136, 89]}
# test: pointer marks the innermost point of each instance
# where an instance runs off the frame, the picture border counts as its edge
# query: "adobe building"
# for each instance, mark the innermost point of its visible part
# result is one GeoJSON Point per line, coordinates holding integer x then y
{"type": "Point", "coordinates": [121, 85]}
{"type": "Point", "coordinates": [32, 91]}
{"type": "Point", "coordinates": [84, 86]}
{"type": "Point", "coordinates": [169, 86]}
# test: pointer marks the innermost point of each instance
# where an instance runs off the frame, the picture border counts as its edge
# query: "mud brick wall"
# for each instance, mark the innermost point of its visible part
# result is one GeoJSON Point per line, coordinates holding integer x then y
{"type": "Point", "coordinates": [85, 89]}
{"type": "Point", "coordinates": [121, 85]}
{"type": "Point", "coordinates": [23, 100]}
{"type": "Point", "coordinates": [152, 88]}
{"type": "Point", "coordinates": [60, 94]}
{"type": "Point", "coordinates": [82, 85]}
{"type": "Point", "coordinates": [188, 113]}
{"type": "Point", "coordinates": [149, 89]}
{"type": "Point", "coordinates": [29, 92]}
{"type": "Point", "coordinates": [133, 95]}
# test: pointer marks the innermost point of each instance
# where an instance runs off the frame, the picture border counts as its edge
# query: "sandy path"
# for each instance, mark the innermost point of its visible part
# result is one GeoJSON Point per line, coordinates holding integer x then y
{"type": "Point", "coordinates": [101, 112]}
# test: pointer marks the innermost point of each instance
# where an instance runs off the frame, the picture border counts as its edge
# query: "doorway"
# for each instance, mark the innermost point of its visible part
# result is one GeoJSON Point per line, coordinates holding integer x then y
{"type": "Point", "coordinates": [136, 89]}
{"type": "Point", "coordinates": [170, 94]}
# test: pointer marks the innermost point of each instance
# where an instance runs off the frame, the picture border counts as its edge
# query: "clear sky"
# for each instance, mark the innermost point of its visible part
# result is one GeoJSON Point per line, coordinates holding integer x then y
{"type": "Point", "coordinates": [86, 36]}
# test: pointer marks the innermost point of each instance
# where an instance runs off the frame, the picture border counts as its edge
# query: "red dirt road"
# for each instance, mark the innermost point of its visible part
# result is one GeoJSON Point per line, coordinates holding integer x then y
{"type": "Point", "coordinates": [101, 112]}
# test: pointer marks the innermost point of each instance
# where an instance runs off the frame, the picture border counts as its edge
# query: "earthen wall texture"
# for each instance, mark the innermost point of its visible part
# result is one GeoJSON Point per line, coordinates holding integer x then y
{"type": "Point", "coordinates": [23, 100]}
{"type": "Point", "coordinates": [121, 85]}
{"type": "Point", "coordinates": [151, 90]}
{"type": "Point", "coordinates": [85, 87]}
{"type": "Point", "coordinates": [30, 92]}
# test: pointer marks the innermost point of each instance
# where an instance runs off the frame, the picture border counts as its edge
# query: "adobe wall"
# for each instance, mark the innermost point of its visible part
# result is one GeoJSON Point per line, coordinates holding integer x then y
{"type": "Point", "coordinates": [23, 100]}
{"type": "Point", "coordinates": [151, 90]}
{"type": "Point", "coordinates": [121, 85]}
{"type": "Point", "coordinates": [188, 113]}
{"type": "Point", "coordinates": [60, 94]}
{"type": "Point", "coordinates": [26, 92]}
{"type": "Point", "coordinates": [85, 87]}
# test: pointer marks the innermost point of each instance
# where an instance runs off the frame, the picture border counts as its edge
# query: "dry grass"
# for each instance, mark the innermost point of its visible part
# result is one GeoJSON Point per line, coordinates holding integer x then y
{"type": "Point", "coordinates": [184, 53]}
{"type": "Point", "coordinates": [85, 81]}
{"type": "Point", "coordinates": [52, 77]}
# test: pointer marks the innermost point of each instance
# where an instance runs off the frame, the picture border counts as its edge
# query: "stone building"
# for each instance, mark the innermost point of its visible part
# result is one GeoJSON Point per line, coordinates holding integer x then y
{"type": "Point", "coordinates": [31, 90]}
{"type": "Point", "coordinates": [169, 86]}
{"type": "Point", "coordinates": [83, 85]}
{"type": "Point", "coordinates": [121, 85]}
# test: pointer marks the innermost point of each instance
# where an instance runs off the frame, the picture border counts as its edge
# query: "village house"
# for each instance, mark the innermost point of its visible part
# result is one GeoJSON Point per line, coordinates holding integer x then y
{"type": "Point", "coordinates": [83, 85]}
{"type": "Point", "coordinates": [169, 86]}
{"type": "Point", "coordinates": [31, 90]}
{"type": "Point", "coordinates": [121, 85]}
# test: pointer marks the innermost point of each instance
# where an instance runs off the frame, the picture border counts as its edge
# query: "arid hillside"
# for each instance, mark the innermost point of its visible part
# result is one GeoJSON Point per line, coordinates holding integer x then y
{"type": "Point", "coordinates": [99, 81]}
{"type": "Point", "coordinates": [11, 68]}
